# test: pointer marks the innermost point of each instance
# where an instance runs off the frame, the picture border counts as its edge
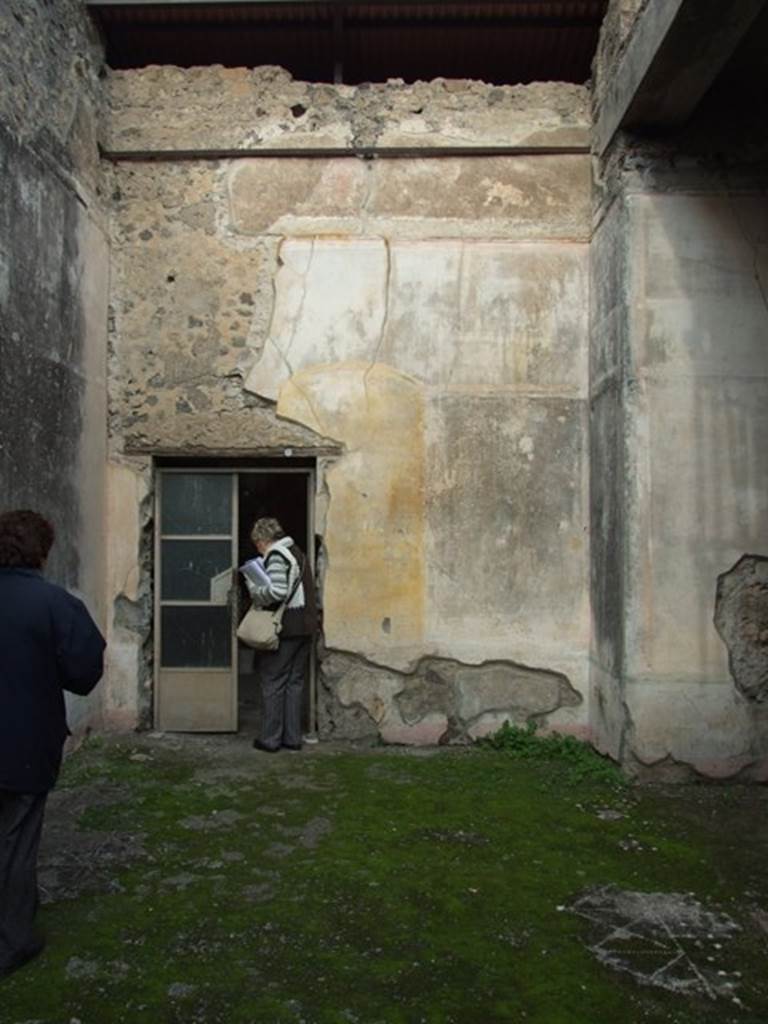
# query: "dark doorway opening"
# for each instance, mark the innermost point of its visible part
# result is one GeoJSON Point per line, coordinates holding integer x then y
{"type": "Point", "coordinates": [284, 494]}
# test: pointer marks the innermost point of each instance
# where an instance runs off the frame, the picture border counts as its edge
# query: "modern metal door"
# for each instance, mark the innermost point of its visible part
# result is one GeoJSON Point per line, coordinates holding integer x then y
{"type": "Point", "coordinates": [196, 681]}
{"type": "Point", "coordinates": [196, 558]}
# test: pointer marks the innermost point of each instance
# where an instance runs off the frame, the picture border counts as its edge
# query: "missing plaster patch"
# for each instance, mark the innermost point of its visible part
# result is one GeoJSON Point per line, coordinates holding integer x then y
{"type": "Point", "coordinates": [429, 692]}
{"type": "Point", "coordinates": [741, 619]}
{"type": "Point", "coordinates": [468, 699]}
{"type": "Point", "coordinates": [130, 615]}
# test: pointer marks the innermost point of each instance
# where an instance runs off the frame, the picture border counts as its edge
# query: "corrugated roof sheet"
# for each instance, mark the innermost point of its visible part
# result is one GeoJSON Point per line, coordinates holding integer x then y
{"type": "Point", "coordinates": [502, 42]}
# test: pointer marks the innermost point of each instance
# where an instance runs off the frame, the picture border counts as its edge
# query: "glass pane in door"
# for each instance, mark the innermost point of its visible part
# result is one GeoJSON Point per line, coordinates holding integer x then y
{"type": "Point", "coordinates": [196, 636]}
{"type": "Point", "coordinates": [196, 503]}
{"type": "Point", "coordinates": [196, 570]}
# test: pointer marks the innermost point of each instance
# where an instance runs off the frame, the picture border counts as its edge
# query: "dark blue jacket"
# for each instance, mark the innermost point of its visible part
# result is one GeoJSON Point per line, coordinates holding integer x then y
{"type": "Point", "coordinates": [48, 643]}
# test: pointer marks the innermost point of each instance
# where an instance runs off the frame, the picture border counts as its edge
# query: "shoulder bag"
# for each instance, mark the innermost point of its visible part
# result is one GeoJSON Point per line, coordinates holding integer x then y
{"type": "Point", "coordinates": [260, 628]}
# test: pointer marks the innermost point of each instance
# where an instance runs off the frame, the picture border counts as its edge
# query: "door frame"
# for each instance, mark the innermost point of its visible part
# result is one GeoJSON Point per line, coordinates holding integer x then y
{"type": "Point", "coordinates": [236, 469]}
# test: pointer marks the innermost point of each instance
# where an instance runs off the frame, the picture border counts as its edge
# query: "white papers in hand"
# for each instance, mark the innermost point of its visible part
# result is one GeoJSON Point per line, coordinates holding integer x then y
{"type": "Point", "coordinates": [254, 571]}
{"type": "Point", "coordinates": [220, 585]}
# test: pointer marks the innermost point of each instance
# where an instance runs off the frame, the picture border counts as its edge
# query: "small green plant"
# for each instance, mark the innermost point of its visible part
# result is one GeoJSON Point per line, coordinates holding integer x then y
{"type": "Point", "coordinates": [581, 760]}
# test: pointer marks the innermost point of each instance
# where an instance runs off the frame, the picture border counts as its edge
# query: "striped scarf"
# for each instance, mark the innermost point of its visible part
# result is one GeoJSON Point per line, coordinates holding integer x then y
{"type": "Point", "coordinates": [284, 571]}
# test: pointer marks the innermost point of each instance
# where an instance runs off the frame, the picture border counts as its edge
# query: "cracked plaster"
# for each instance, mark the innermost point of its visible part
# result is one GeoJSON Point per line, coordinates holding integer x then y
{"type": "Point", "coordinates": [451, 313]}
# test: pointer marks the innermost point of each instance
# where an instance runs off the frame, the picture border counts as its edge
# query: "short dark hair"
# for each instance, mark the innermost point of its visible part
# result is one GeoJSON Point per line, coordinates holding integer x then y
{"type": "Point", "coordinates": [267, 529]}
{"type": "Point", "coordinates": [26, 537]}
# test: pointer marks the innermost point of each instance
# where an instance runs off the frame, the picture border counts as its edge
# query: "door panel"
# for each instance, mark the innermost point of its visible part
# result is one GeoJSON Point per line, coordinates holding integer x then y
{"type": "Point", "coordinates": [196, 684]}
{"type": "Point", "coordinates": [195, 701]}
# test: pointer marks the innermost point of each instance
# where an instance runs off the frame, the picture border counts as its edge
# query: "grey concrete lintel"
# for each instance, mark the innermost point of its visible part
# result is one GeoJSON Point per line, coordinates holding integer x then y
{"type": "Point", "coordinates": [676, 51]}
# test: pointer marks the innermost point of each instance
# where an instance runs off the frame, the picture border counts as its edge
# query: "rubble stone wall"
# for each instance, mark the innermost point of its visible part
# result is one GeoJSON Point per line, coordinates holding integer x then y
{"type": "Point", "coordinates": [53, 289]}
{"type": "Point", "coordinates": [417, 321]}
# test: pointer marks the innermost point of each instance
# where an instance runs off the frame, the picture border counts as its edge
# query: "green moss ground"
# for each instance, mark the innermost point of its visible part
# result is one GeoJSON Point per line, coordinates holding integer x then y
{"type": "Point", "coordinates": [336, 887]}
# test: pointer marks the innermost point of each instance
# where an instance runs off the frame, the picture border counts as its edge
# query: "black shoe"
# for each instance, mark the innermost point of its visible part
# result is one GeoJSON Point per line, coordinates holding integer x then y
{"type": "Point", "coordinates": [22, 958]}
{"type": "Point", "coordinates": [292, 746]}
{"type": "Point", "coordinates": [262, 746]}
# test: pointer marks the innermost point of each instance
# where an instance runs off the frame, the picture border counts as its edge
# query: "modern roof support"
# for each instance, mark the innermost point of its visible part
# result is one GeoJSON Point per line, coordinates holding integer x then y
{"type": "Point", "coordinates": [676, 52]}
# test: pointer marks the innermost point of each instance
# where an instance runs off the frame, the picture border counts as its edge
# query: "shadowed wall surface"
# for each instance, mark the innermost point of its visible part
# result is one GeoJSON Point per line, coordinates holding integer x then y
{"type": "Point", "coordinates": [53, 289]}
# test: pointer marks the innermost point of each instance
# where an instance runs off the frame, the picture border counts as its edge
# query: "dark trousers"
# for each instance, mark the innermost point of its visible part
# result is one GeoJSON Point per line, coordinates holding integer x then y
{"type": "Point", "coordinates": [282, 673]}
{"type": "Point", "coordinates": [21, 821]}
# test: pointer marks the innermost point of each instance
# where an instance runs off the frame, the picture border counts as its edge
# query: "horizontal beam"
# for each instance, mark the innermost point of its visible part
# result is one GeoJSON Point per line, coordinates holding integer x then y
{"type": "Point", "coordinates": [675, 53]}
{"type": "Point", "coordinates": [412, 19]}
{"type": "Point", "coordinates": [362, 153]}
{"type": "Point", "coordinates": [334, 3]}
{"type": "Point", "coordinates": [232, 3]}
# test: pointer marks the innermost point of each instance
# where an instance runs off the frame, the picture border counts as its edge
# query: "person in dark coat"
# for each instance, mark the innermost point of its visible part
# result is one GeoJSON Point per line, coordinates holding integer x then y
{"type": "Point", "coordinates": [48, 643]}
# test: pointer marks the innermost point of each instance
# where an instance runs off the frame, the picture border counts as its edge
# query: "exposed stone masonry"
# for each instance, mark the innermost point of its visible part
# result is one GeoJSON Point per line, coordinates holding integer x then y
{"type": "Point", "coordinates": [165, 108]}
{"type": "Point", "coordinates": [741, 618]}
{"type": "Point", "coordinates": [51, 88]}
{"type": "Point", "coordinates": [439, 701]}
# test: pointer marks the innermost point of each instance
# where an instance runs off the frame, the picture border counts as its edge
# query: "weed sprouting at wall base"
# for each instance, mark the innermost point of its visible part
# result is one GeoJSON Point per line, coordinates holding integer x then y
{"type": "Point", "coordinates": [579, 760]}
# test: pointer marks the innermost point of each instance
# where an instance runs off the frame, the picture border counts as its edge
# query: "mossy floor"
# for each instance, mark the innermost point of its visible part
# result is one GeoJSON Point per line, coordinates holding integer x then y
{"type": "Point", "coordinates": [195, 880]}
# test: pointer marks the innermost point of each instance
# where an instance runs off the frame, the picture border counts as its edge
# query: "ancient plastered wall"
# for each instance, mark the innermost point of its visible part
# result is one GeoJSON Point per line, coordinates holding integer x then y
{"type": "Point", "coordinates": [53, 290]}
{"type": "Point", "coordinates": [697, 421]}
{"type": "Point", "coordinates": [678, 428]}
{"type": "Point", "coordinates": [678, 376]}
{"type": "Point", "coordinates": [420, 323]}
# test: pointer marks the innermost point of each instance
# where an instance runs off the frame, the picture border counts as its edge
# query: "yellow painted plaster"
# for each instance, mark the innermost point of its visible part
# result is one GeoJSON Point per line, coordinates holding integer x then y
{"type": "Point", "coordinates": [374, 591]}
